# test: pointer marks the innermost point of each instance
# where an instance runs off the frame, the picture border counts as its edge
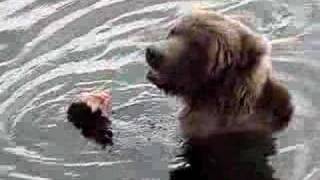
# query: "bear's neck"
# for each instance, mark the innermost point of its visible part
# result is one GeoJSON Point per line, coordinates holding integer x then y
{"type": "Point", "coordinates": [236, 97]}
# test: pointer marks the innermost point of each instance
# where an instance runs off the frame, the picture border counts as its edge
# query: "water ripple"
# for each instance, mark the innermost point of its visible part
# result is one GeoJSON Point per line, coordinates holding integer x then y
{"type": "Point", "coordinates": [50, 50]}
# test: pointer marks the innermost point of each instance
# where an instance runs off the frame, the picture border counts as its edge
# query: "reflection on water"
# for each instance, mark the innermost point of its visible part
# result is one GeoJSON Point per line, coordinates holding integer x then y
{"type": "Point", "coordinates": [52, 50]}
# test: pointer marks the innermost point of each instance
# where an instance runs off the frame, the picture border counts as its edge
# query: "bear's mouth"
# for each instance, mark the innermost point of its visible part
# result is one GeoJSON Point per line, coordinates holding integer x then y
{"type": "Point", "coordinates": [156, 77]}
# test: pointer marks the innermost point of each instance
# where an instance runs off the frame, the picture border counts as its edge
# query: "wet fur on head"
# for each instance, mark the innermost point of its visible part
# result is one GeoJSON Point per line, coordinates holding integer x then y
{"type": "Point", "coordinates": [222, 71]}
{"type": "Point", "coordinates": [210, 47]}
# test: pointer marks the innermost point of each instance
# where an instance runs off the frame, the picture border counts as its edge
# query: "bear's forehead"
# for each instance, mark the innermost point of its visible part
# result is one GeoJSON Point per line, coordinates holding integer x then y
{"type": "Point", "coordinates": [188, 26]}
{"type": "Point", "coordinates": [199, 22]}
{"type": "Point", "coordinates": [211, 22]}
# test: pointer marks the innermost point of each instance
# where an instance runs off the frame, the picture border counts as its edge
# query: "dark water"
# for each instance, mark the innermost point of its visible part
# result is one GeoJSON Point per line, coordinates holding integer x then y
{"type": "Point", "coordinates": [51, 50]}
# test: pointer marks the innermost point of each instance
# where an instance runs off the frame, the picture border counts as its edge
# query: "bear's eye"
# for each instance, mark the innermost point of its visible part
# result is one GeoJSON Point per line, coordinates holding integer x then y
{"type": "Point", "coordinates": [202, 39]}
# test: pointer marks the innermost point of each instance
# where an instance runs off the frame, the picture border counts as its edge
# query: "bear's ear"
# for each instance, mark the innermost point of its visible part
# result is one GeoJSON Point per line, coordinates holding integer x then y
{"type": "Point", "coordinates": [253, 48]}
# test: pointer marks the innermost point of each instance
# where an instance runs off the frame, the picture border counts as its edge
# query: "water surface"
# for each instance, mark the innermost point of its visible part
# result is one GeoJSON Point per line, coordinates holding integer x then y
{"type": "Point", "coordinates": [50, 50]}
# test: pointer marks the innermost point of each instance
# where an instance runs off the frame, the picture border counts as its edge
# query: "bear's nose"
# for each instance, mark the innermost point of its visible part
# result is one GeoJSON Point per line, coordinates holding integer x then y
{"type": "Point", "coordinates": [153, 57]}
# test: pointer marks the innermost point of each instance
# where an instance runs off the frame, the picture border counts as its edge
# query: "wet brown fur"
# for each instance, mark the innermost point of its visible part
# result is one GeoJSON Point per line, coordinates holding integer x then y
{"type": "Point", "coordinates": [223, 73]}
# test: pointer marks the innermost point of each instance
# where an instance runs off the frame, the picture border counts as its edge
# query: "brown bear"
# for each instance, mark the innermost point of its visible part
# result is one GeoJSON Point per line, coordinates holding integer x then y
{"type": "Point", "coordinates": [222, 71]}
{"type": "Point", "coordinates": [232, 103]}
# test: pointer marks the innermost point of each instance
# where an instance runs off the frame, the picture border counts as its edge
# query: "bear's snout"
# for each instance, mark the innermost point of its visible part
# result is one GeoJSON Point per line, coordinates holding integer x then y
{"type": "Point", "coordinates": [154, 56]}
